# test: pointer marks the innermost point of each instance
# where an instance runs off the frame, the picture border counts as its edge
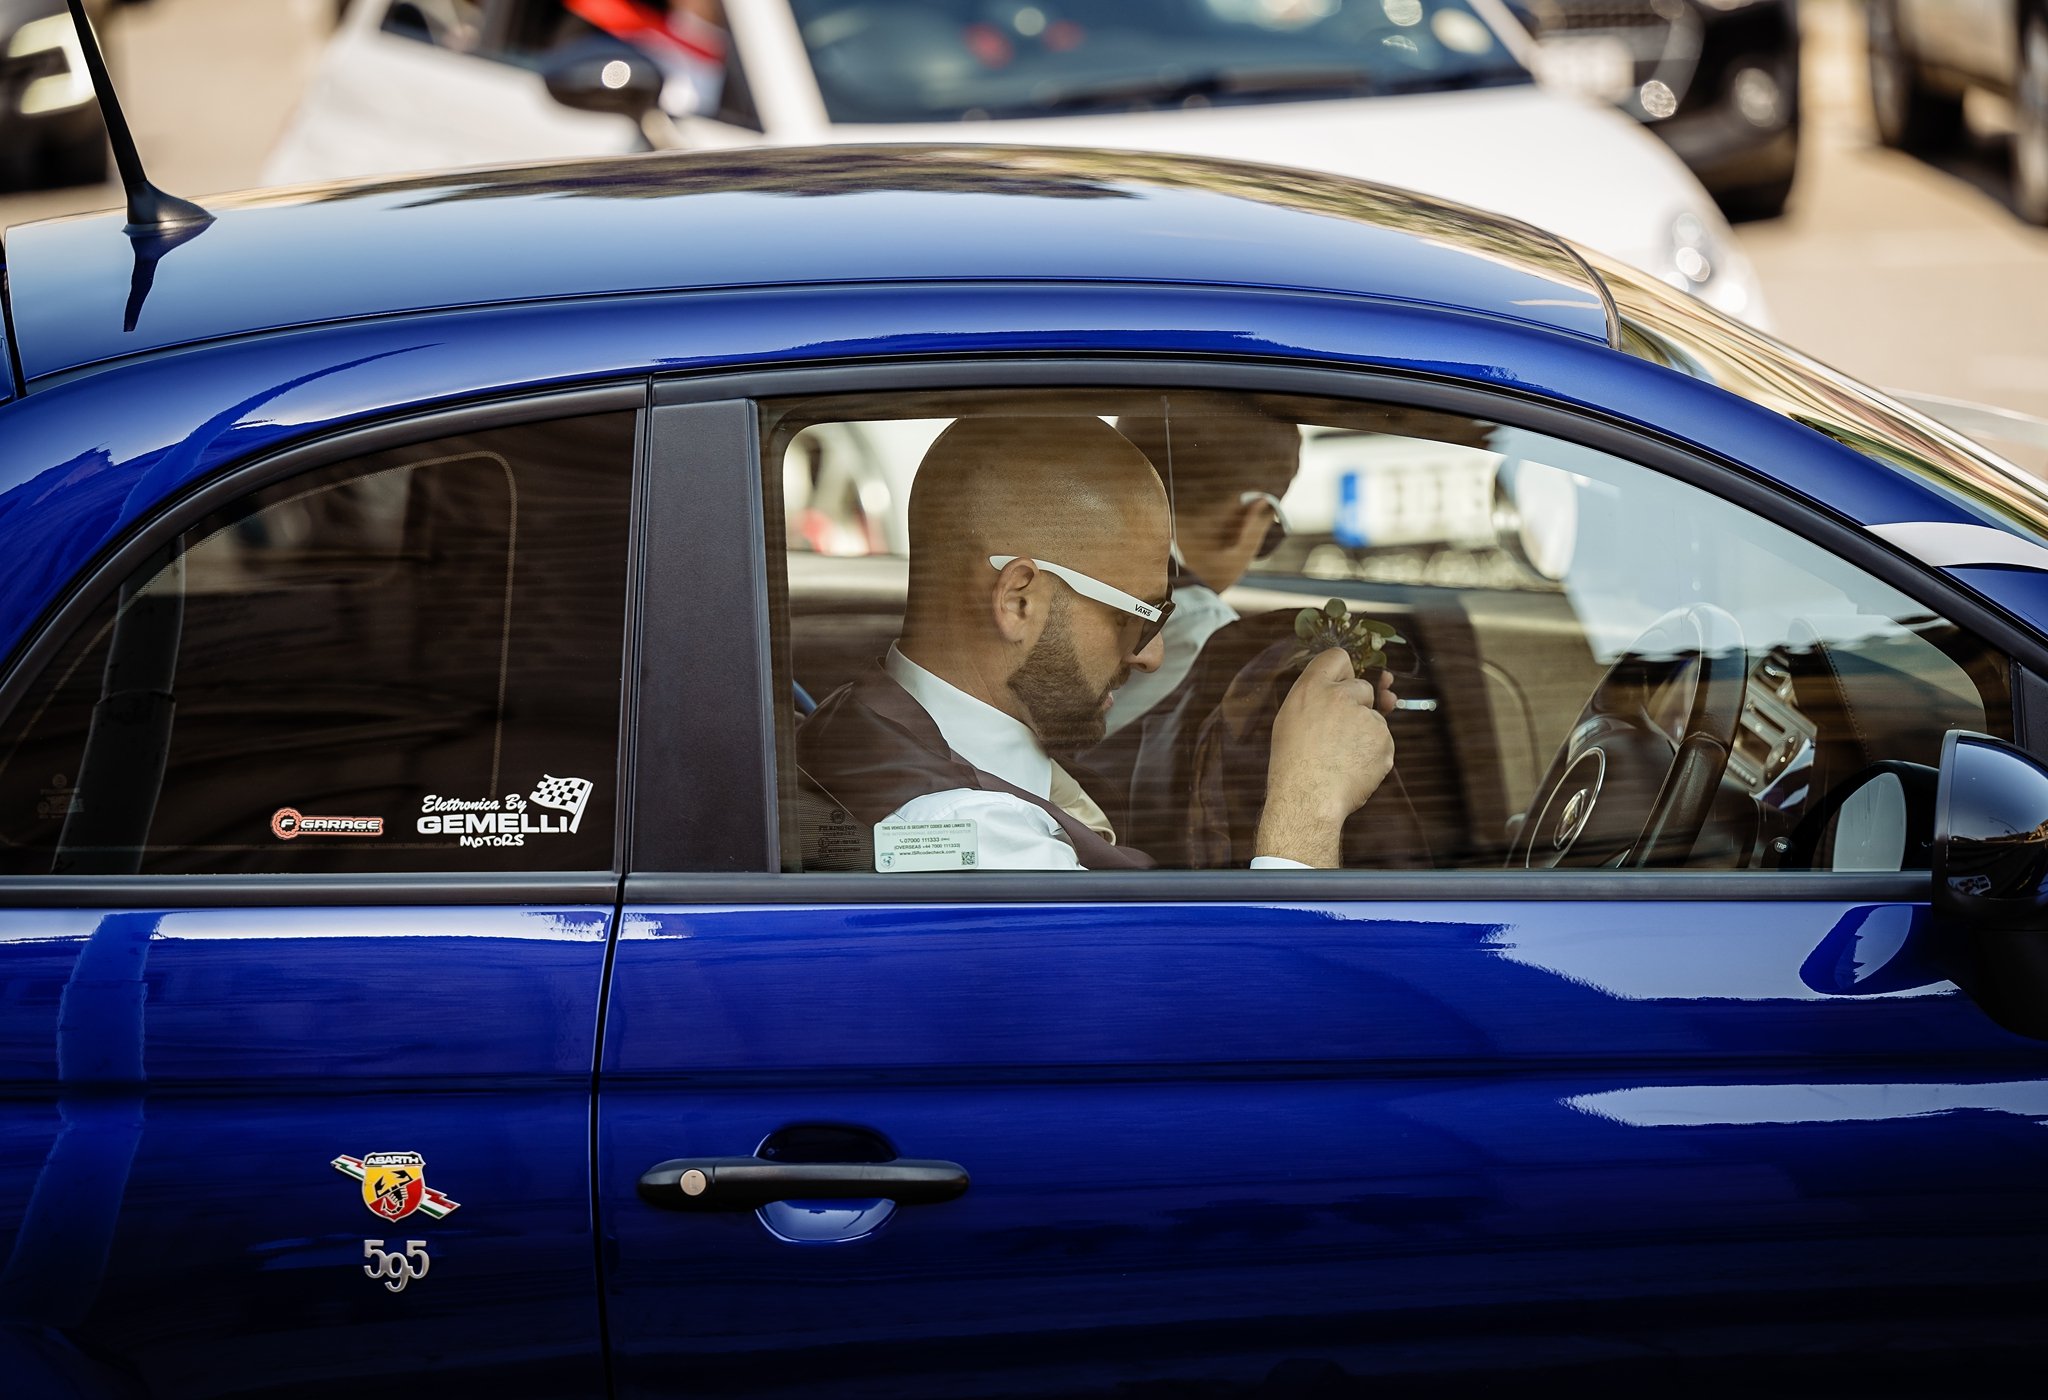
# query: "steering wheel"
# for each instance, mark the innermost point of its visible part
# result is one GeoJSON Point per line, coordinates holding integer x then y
{"type": "Point", "coordinates": [1634, 781]}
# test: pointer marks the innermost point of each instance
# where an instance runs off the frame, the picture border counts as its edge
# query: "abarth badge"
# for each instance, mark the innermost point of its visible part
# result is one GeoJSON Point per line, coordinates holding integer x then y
{"type": "Point", "coordinates": [395, 1185]}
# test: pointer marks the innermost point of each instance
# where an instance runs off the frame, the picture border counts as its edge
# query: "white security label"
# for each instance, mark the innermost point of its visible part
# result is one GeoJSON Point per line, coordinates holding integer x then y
{"type": "Point", "coordinates": [901, 846]}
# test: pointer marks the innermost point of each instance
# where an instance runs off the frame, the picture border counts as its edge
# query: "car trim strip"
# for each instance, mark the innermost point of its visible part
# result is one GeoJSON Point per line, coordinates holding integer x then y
{"type": "Point", "coordinates": [705, 742]}
{"type": "Point", "coordinates": [209, 891]}
{"type": "Point", "coordinates": [1944, 544]}
{"type": "Point", "coordinates": [1284, 887]}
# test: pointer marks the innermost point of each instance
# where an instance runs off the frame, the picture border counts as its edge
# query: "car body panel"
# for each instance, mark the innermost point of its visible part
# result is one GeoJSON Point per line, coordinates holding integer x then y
{"type": "Point", "coordinates": [368, 80]}
{"type": "Point", "coordinates": [1695, 51]}
{"type": "Point", "coordinates": [182, 1080]}
{"type": "Point", "coordinates": [1205, 1140]}
{"type": "Point", "coordinates": [737, 220]}
{"type": "Point", "coordinates": [1421, 141]}
{"type": "Point", "coordinates": [1453, 1131]}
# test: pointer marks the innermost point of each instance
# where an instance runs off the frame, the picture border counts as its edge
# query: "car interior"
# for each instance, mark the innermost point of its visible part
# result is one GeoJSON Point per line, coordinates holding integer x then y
{"type": "Point", "coordinates": [1599, 666]}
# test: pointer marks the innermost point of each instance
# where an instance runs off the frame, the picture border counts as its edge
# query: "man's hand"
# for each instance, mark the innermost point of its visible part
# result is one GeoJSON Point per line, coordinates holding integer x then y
{"type": "Point", "coordinates": [1331, 751]}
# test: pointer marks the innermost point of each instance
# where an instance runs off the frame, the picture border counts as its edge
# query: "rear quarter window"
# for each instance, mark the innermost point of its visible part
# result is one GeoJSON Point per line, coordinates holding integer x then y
{"type": "Point", "coordinates": [406, 662]}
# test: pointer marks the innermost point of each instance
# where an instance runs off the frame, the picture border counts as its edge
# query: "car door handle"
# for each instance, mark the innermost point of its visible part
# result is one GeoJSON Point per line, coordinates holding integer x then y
{"type": "Point", "coordinates": [747, 1183]}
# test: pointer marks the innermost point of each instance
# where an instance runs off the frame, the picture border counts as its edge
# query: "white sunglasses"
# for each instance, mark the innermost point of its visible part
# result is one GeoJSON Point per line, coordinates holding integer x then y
{"type": "Point", "coordinates": [1152, 615]}
{"type": "Point", "coordinates": [1276, 533]}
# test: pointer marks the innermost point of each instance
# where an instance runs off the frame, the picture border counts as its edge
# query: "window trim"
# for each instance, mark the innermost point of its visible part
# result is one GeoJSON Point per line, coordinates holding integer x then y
{"type": "Point", "coordinates": [1723, 478]}
{"type": "Point", "coordinates": [717, 727]}
{"type": "Point", "coordinates": [171, 517]}
{"type": "Point", "coordinates": [1276, 887]}
{"type": "Point", "coordinates": [368, 888]}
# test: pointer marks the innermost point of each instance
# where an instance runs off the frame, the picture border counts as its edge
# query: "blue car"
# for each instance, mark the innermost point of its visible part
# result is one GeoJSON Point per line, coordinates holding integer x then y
{"type": "Point", "coordinates": [435, 952]}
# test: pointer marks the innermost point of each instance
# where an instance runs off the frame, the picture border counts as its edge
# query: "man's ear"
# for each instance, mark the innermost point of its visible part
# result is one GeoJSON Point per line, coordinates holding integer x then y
{"type": "Point", "coordinates": [1249, 526]}
{"type": "Point", "coordinates": [1013, 608]}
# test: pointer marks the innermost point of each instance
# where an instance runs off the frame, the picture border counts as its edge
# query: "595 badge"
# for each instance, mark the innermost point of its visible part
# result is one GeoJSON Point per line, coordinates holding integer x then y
{"type": "Point", "coordinates": [394, 1187]}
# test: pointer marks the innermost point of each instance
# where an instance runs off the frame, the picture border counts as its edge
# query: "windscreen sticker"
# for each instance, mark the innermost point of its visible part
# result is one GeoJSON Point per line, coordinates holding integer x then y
{"type": "Point", "coordinates": [508, 820]}
{"type": "Point", "coordinates": [909, 846]}
{"type": "Point", "coordinates": [288, 824]}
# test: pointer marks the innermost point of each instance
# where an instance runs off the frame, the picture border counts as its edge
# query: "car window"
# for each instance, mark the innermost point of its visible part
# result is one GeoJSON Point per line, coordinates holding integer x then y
{"type": "Point", "coordinates": [1554, 622]}
{"type": "Point", "coordinates": [408, 661]}
{"type": "Point", "coordinates": [952, 60]}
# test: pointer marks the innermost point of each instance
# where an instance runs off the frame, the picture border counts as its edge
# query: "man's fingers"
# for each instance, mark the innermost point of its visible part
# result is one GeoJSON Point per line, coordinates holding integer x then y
{"type": "Point", "coordinates": [1388, 701]}
{"type": "Point", "coordinates": [1330, 666]}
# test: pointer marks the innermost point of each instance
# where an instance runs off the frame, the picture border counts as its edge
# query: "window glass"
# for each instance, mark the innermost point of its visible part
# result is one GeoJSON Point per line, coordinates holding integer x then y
{"type": "Point", "coordinates": [1581, 662]}
{"type": "Point", "coordinates": [954, 60]}
{"type": "Point", "coordinates": [407, 662]}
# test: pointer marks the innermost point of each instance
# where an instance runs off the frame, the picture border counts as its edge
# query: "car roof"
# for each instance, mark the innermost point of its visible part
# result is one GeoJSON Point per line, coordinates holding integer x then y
{"type": "Point", "coordinates": [83, 293]}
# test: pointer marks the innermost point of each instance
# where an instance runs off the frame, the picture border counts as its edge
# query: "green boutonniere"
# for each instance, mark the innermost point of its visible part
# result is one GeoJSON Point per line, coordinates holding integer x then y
{"type": "Point", "coordinates": [1334, 625]}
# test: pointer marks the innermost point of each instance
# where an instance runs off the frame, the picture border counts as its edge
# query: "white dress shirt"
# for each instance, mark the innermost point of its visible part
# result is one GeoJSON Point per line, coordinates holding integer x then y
{"type": "Point", "coordinates": [1198, 614]}
{"type": "Point", "coordinates": [1011, 834]}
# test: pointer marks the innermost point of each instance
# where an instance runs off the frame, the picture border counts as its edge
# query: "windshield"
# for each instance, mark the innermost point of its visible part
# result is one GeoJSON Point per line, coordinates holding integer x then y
{"type": "Point", "coordinates": [964, 60]}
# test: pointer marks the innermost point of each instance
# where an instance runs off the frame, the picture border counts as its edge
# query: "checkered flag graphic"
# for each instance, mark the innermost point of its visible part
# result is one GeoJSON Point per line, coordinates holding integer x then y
{"type": "Point", "coordinates": [563, 795]}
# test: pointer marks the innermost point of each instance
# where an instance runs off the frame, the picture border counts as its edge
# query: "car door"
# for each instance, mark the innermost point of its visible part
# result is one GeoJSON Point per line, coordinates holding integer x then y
{"type": "Point", "coordinates": [308, 805]}
{"type": "Point", "coordinates": [1469, 1109]}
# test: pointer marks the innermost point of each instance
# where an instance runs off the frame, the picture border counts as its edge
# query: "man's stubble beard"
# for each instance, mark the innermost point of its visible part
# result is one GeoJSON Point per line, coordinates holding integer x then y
{"type": "Point", "coordinates": [1066, 710]}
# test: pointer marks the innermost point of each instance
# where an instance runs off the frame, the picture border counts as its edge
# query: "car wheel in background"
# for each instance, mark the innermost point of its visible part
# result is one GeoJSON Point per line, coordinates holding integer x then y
{"type": "Point", "coordinates": [1910, 115]}
{"type": "Point", "coordinates": [2030, 133]}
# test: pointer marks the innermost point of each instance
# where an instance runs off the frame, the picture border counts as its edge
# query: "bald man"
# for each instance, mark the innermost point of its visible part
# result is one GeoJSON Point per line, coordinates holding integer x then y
{"type": "Point", "coordinates": [1039, 551]}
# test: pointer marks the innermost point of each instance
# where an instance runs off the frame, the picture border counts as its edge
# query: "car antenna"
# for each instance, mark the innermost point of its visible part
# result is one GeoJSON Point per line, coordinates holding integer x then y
{"type": "Point", "coordinates": [157, 222]}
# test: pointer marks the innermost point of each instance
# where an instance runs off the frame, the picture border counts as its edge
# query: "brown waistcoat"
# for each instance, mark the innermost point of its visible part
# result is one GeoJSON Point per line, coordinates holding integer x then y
{"type": "Point", "coordinates": [871, 748]}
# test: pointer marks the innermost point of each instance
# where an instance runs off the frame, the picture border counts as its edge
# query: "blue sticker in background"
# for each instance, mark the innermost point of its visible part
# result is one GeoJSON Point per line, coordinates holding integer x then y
{"type": "Point", "coordinates": [1350, 524]}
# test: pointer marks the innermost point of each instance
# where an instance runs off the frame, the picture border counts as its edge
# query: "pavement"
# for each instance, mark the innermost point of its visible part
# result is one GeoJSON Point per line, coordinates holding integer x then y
{"type": "Point", "coordinates": [1902, 273]}
{"type": "Point", "coordinates": [1906, 274]}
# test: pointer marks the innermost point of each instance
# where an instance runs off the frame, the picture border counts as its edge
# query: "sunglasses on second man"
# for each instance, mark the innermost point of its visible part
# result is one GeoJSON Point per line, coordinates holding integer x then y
{"type": "Point", "coordinates": [1276, 533]}
{"type": "Point", "coordinates": [1151, 616]}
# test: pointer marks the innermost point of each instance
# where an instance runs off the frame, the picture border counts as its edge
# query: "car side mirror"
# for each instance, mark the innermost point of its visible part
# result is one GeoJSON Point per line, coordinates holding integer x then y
{"type": "Point", "coordinates": [603, 75]}
{"type": "Point", "coordinates": [1991, 873]}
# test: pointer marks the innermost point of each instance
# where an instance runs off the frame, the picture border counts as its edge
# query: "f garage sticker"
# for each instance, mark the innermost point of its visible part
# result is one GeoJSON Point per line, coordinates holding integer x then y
{"type": "Point", "coordinates": [289, 823]}
{"type": "Point", "coordinates": [553, 808]}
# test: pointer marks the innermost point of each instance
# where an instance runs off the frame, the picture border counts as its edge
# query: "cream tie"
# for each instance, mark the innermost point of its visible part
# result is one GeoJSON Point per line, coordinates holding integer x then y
{"type": "Point", "coordinates": [1071, 798]}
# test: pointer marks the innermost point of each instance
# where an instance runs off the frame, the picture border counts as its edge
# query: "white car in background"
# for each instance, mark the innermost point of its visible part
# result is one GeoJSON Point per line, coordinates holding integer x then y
{"type": "Point", "coordinates": [1432, 95]}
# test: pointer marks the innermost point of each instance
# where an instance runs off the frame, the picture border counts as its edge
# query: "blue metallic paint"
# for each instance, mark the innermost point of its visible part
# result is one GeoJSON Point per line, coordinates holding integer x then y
{"type": "Point", "coordinates": [180, 1081]}
{"type": "Point", "coordinates": [1207, 1140]}
{"type": "Point", "coordinates": [77, 478]}
{"type": "Point", "coordinates": [1430, 1139]}
{"type": "Point", "coordinates": [757, 218]}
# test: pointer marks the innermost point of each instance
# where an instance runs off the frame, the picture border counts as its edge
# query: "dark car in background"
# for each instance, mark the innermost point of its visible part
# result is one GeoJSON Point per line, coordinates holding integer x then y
{"type": "Point", "coordinates": [1717, 79]}
{"type": "Point", "coordinates": [50, 132]}
{"type": "Point", "coordinates": [1924, 56]}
